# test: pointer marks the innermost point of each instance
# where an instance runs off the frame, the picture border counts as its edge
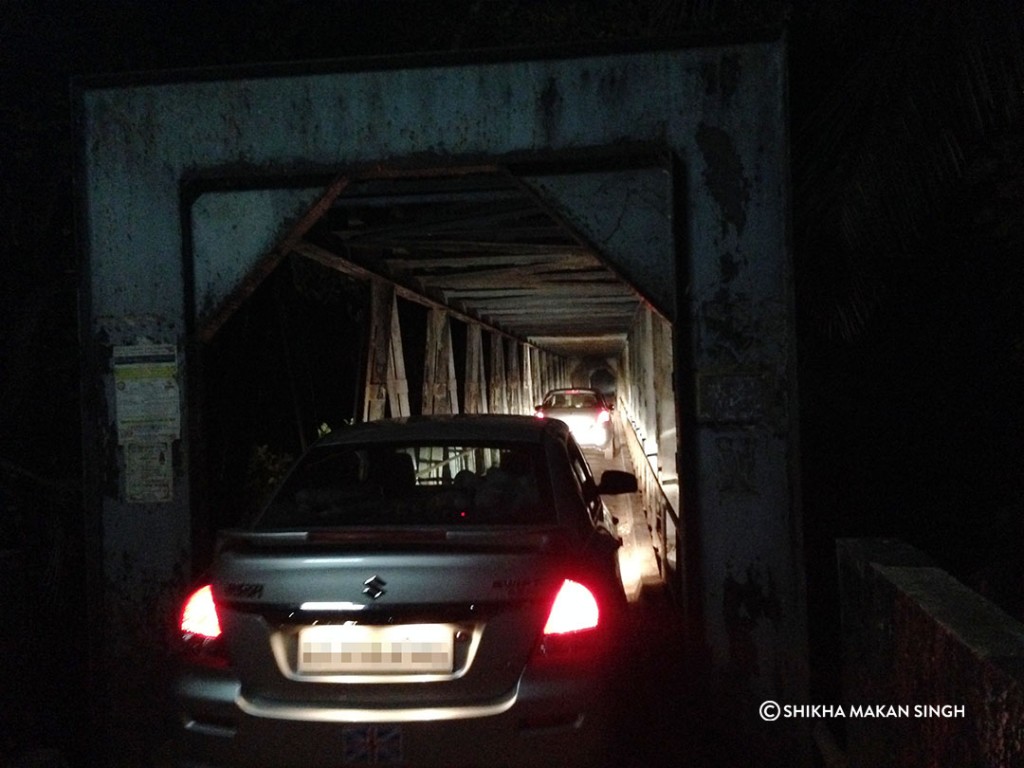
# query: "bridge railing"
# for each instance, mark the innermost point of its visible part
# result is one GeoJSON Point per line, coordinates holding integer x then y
{"type": "Point", "coordinates": [660, 512]}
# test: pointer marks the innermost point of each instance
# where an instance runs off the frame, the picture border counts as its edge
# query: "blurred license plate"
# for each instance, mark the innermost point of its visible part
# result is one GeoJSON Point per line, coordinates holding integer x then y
{"type": "Point", "coordinates": [350, 648]}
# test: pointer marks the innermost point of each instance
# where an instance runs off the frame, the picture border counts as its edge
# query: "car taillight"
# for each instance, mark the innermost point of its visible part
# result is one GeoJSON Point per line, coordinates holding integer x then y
{"type": "Point", "coordinates": [539, 414]}
{"type": "Point", "coordinates": [571, 633]}
{"type": "Point", "coordinates": [200, 614]}
{"type": "Point", "coordinates": [603, 416]}
{"type": "Point", "coordinates": [200, 628]}
{"type": "Point", "coordinates": [575, 609]}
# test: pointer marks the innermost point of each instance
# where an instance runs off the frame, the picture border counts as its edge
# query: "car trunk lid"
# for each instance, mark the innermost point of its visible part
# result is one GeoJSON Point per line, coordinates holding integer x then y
{"type": "Point", "coordinates": [473, 599]}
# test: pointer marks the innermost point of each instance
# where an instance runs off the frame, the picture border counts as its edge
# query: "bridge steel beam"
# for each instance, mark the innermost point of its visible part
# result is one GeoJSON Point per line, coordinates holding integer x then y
{"type": "Point", "coordinates": [666, 427]}
{"type": "Point", "coordinates": [528, 397]}
{"type": "Point", "coordinates": [386, 383]}
{"type": "Point", "coordinates": [648, 391]}
{"type": "Point", "coordinates": [440, 387]}
{"type": "Point", "coordinates": [498, 381]}
{"type": "Point", "coordinates": [515, 379]}
{"type": "Point", "coordinates": [536, 374]}
{"type": "Point", "coordinates": [476, 373]}
{"type": "Point", "coordinates": [625, 386]}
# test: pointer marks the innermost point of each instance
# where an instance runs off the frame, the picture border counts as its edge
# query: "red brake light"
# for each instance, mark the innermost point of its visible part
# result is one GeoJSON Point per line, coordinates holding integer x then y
{"type": "Point", "coordinates": [603, 417]}
{"type": "Point", "coordinates": [200, 630]}
{"type": "Point", "coordinates": [575, 609]}
{"type": "Point", "coordinates": [199, 617]}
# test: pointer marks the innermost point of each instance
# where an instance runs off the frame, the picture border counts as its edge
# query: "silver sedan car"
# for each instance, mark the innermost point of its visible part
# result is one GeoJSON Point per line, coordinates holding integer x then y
{"type": "Point", "coordinates": [586, 412]}
{"type": "Point", "coordinates": [437, 591]}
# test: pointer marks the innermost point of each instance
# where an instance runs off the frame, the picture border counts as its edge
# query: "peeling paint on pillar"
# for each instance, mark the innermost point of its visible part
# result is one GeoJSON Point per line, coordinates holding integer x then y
{"type": "Point", "coordinates": [748, 603]}
{"type": "Point", "coordinates": [550, 105]}
{"type": "Point", "coordinates": [723, 175]}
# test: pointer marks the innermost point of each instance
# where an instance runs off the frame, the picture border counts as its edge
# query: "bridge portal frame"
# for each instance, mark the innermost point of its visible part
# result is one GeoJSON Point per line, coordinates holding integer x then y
{"type": "Point", "coordinates": [713, 260]}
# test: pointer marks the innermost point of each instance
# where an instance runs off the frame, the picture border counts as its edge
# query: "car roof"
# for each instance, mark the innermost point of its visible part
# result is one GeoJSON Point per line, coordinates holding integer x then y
{"type": "Point", "coordinates": [498, 427]}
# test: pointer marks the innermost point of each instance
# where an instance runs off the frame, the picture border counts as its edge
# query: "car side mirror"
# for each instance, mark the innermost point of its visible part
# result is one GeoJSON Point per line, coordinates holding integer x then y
{"type": "Point", "coordinates": [615, 481]}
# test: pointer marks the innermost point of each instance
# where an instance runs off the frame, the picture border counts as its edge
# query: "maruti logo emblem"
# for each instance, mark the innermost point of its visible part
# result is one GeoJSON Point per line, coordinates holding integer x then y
{"type": "Point", "coordinates": [373, 587]}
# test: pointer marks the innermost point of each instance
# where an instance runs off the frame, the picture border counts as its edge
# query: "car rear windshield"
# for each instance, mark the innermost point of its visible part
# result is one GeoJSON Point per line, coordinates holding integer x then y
{"type": "Point", "coordinates": [572, 400]}
{"type": "Point", "coordinates": [415, 485]}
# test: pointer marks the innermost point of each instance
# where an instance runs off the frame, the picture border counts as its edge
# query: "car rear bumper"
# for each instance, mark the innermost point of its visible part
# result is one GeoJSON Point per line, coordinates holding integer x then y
{"type": "Point", "coordinates": [542, 723]}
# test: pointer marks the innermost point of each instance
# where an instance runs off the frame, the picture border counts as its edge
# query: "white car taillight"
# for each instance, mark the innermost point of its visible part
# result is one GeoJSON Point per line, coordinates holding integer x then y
{"type": "Point", "coordinates": [603, 416]}
{"type": "Point", "coordinates": [199, 617]}
{"type": "Point", "coordinates": [575, 609]}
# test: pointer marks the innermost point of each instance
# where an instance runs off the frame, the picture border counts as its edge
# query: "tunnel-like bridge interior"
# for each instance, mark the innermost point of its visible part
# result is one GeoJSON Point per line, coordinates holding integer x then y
{"type": "Point", "coordinates": [426, 291]}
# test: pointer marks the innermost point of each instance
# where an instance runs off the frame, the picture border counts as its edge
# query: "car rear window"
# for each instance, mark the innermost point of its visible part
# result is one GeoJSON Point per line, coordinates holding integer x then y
{"type": "Point", "coordinates": [572, 400]}
{"type": "Point", "coordinates": [414, 485]}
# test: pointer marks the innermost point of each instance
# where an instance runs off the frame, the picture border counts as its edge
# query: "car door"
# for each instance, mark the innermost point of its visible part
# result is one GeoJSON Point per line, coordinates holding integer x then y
{"type": "Point", "coordinates": [604, 542]}
{"type": "Point", "coordinates": [587, 487]}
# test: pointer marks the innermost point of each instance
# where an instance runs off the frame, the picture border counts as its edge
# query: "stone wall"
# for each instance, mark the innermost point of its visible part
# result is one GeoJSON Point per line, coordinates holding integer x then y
{"type": "Point", "coordinates": [941, 666]}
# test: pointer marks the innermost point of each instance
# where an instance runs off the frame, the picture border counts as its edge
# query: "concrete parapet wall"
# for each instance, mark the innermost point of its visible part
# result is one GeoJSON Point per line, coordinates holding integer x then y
{"type": "Point", "coordinates": [914, 638]}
